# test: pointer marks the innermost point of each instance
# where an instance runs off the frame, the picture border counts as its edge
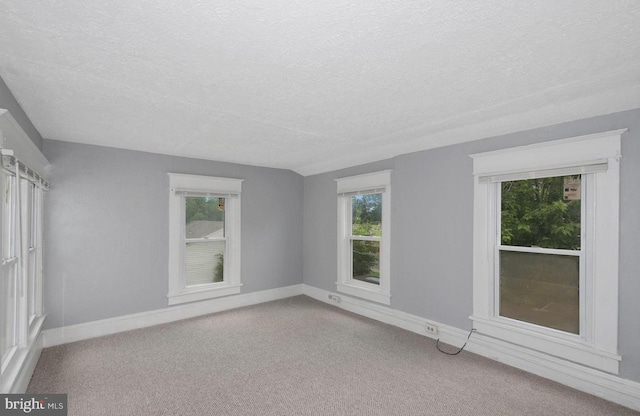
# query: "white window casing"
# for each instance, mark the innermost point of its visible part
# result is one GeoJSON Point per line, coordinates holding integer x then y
{"type": "Point", "coordinates": [182, 185]}
{"type": "Point", "coordinates": [372, 183]}
{"type": "Point", "coordinates": [22, 183]}
{"type": "Point", "coordinates": [597, 157]}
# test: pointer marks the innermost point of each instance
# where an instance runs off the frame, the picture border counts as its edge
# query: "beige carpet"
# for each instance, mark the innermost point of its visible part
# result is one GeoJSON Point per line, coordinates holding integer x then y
{"type": "Point", "coordinates": [295, 356]}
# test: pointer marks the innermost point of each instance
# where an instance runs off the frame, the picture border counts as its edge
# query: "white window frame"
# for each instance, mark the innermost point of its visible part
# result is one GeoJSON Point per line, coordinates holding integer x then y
{"type": "Point", "coordinates": [10, 268]}
{"type": "Point", "coordinates": [31, 207]}
{"type": "Point", "coordinates": [23, 232]}
{"type": "Point", "coordinates": [21, 246]}
{"type": "Point", "coordinates": [229, 188]}
{"type": "Point", "coordinates": [379, 182]}
{"type": "Point", "coordinates": [597, 157]}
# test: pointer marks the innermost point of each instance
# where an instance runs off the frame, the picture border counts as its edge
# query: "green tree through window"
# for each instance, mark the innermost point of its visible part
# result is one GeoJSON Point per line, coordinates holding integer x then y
{"type": "Point", "coordinates": [536, 285]}
{"type": "Point", "coordinates": [199, 209]}
{"type": "Point", "coordinates": [534, 213]}
{"type": "Point", "coordinates": [366, 221]}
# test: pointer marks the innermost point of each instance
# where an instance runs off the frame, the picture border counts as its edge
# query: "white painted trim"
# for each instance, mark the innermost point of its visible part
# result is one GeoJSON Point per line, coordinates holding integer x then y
{"type": "Point", "coordinates": [178, 292]}
{"type": "Point", "coordinates": [413, 323]}
{"type": "Point", "coordinates": [202, 294]}
{"type": "Point", "coordinates": [366, 181]}
{"type": "Point", "coordinates": [592, 381]}
{"type": "Point", "coordinates": [17, 376]}
{"type": "Point", "coordinates": [181, 181]}
{"type": "Point", "coordinates": [597, 346]}
{"type": "Point", "coordinates": [576, 351]}
{"type": "Point", "coordinates": [563, 152]}
{"type": "Point", "coordinates": [346, 284]}
{"type": "Point", "coordinates": [17, 368]}
{"type": "Point", "coordinates": [28, 367]}
{"type": "Point", "coordinates": [370, 293]}
{"type": "Point", "coordinates": [73, 333]}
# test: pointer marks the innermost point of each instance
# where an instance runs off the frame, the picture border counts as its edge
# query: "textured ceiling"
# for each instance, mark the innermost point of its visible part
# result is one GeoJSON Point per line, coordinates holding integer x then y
{"type": "Point", "coordinates": [314, 86]}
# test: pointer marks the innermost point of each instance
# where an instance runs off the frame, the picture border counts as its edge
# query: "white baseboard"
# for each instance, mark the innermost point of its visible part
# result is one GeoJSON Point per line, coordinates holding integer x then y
{"type": "Point", "coordinates": [72, 333]}
{"type": "Point", "coordinates": [598, 383]}
{"type": "Point", "coordinates": [579, 377]}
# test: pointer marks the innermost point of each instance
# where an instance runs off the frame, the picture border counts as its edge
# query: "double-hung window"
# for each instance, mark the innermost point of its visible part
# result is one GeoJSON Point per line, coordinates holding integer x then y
{"type": "Point", "coordinates": [9, 293]}
{"type": "Point", "coordinates": [542, 279]}
{"type": "Point", "coordinates": [21, 235]}
{"type": "Point", "coordinates": [31, 203]}
{"type": "Point", "coordinates": [363, 236]}
{"type": "Point", "coordinates": [540, 251]}
{"type": "Point", "coordinates": [204, 258]}
{"type": "Point", "coordinates": [21, 310]}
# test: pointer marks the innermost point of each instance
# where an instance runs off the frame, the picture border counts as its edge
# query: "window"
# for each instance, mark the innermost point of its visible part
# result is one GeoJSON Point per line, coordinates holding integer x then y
{"type": "Point", "coordinates": [204, 240]}
{"type": "Point", "coordinates": [204, 258]}
{"type": "Point", "coordinates": [363, 236]}
{"type": "Point", "coordinates": [33, 255]}
{"type": "Point", "coordinates": [9, 285]}
{"type": "Point", "coordinates": [540, 266]}
{"type": "Point", "coordinates": [21, 204]}
{"type": "Point", "coordinates": [21, 311]}
{"type": "Point", "coordinates": [541, 278]}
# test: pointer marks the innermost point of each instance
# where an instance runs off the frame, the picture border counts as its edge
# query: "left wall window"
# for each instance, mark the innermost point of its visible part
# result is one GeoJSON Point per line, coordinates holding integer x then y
{"type": "Point", "coordinates": [204, 257]}
{"type": "Point", "coordinates": [22, 187]}
{"type": "Point", "coordinates": [21, 310]}
{"type": "Point", "coordinates": [9, 279]}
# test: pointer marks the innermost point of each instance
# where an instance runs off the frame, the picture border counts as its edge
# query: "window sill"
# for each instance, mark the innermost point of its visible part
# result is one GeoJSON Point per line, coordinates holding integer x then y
{"type": "Point", "coordinates": [35, 326]}
{"type": "Point", "coordinates": [192, 295]}
{"type": "Point", "coordinates": [16, 363]}
{"type": "Point", "coordinates": [372, 294]}
{"type": "Point", "coordinates": [577, 351]}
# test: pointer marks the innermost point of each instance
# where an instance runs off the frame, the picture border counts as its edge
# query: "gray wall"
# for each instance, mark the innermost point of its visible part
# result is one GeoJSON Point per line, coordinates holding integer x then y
{"type": "Point", "coordinates": [8, 102]}
{"type": "Point", "coordinates": [432, 227]}
{"type": "Point", "coordinates": [106, 229]}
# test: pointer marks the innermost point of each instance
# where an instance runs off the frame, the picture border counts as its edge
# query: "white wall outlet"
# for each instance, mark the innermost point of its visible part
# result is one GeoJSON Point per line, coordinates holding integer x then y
{"type": "Point", "coordinates": [431, 329]}
{"type": "Point", "coordinates": [334, 298]}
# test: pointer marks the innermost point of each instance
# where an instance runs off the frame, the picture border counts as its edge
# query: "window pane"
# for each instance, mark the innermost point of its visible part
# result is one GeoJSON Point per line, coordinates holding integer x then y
{"type": "Point", "coordinates": [8, 221]}
{"type": "Point", "coordinates": [8, 299]}
{"type": "Point", "coordinates": [542, 212]}
{"type": "Point", "coordinates": [204, 262]}
{"type": "Point", "coordinates": [31, 252]}
{"type": "Point", "coordinates": [366, 217]}
{"type": "Point", "coordinates": [366, 261]}
{"type": "Point", "coordinates": [33, 210]}
{"type": "Point", "coordinates": [204, 217]}
{"type": "Point", "coordinates": [31, 283]}
{"type": "Point", "coordinates": [542, 289]}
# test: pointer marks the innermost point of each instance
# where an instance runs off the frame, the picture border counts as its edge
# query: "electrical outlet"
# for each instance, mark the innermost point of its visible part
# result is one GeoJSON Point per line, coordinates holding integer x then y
{"type": "Point", "coordinates": [432, 329]}
{"type": "Point", "coordinates": [334, 298]}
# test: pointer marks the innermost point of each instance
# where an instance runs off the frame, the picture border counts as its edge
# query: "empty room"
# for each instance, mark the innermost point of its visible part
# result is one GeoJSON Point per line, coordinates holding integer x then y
{"type": "Point", "coordinates": [305, 208]}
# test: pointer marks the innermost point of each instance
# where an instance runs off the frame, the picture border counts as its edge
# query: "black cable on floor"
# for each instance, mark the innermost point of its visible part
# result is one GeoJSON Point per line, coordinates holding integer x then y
{"type": "Point", "coordinates": [457, 352]}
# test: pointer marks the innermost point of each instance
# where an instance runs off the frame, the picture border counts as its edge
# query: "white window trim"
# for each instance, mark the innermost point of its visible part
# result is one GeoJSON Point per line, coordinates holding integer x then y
{"type": "Point", "coordinates": [30, 246]}
{"type": "Point", "coordinates": [597, 347]}
{"type": "Point", "coordinates": [178, 292]}
{"type": "Point", "coordinates": [379, 181]}
{"type": "Point", "coordinates": [14, 142]}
